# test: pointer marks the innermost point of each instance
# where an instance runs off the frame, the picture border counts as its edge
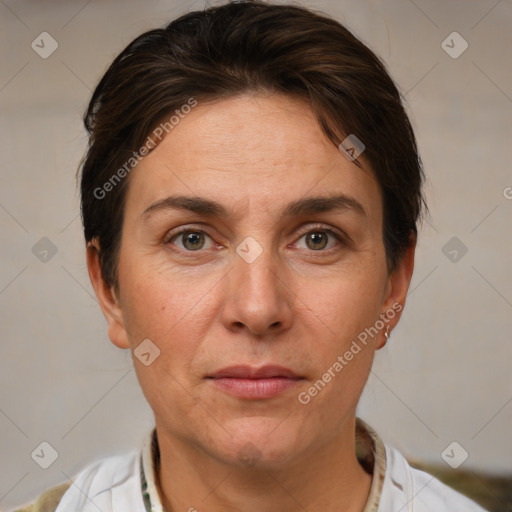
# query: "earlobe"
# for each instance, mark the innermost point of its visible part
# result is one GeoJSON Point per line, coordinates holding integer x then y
{"type": "Point", "coordinates": [396, 292]}
{"type": "Point", "coordinates": [107, 297]}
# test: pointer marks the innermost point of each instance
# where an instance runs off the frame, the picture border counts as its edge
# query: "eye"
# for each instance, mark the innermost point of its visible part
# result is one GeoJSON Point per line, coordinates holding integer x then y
{"type": "Point", "coordinates": [320, 239]}
{"type": "Point", "coordinates": [191, 240]}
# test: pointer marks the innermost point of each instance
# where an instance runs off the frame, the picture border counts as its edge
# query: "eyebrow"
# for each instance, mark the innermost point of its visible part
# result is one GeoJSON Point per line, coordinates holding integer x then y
{"type": "Point", "coordinates": [307, 205]}
{"type": "Point", "coordinates": [322, 204]}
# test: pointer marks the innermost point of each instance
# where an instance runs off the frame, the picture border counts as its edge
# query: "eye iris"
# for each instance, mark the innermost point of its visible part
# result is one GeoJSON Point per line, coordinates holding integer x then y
{"type": "Point", "coordinates": [193, 241]}
{"type": "Point", "coordinates": [318, 239]}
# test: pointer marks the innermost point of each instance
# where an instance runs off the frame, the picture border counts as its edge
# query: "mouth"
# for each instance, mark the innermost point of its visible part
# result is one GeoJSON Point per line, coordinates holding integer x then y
{"type": "Point", "coordinates": [254, 383]}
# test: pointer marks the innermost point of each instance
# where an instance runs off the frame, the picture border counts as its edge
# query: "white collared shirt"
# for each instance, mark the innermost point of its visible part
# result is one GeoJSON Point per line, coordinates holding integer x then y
{"type": "Point", "coordinates": [127, 483]}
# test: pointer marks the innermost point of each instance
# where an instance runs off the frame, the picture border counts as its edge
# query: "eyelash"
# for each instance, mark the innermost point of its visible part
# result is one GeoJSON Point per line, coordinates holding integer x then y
{"type": "Point", "coordinates": [313, 229]}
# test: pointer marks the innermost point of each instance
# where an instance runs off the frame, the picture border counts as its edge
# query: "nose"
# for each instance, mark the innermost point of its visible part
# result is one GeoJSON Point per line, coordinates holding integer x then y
{"type": "Point", "coordinates": [257, 297]}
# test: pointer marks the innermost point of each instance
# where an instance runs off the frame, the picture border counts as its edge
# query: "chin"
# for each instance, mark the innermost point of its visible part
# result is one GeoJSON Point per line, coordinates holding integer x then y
{"type": "Point", "coordinates": [260, 442]}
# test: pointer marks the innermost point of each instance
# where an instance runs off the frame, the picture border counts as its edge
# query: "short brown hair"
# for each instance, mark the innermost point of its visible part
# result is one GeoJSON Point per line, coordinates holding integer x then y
{"type": "Point", "coordinates": [239, 47]}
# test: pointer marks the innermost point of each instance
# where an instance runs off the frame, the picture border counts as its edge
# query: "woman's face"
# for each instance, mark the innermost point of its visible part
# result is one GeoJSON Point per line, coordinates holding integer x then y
{"type": "Point", "coordinates": [251, 241]}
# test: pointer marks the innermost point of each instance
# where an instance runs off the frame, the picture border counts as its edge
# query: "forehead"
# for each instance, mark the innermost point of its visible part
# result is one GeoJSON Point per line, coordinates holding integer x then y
{"type": "Point", "coordinates": [251, 149]}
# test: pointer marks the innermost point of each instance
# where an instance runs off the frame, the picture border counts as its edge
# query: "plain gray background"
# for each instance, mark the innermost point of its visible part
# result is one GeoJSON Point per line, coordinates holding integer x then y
{"type": "Point", "coordinates": [445, 376]}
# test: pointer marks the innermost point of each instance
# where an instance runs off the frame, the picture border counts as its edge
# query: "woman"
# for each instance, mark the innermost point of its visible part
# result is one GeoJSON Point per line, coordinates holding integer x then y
{"type": "Point", "coordinates": [250, 198]}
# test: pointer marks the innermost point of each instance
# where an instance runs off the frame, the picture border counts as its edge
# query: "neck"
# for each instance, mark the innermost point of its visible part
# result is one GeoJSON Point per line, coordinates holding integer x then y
{"type": "Point", "coordinates": [327, 478]}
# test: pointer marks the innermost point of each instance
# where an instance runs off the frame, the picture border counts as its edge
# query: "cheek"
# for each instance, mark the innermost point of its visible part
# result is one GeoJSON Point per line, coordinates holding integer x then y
{"type": "Point", "coordinates": [164, 305]}
{"type": "Point", "coordinates": [175, 312]}
{"type": "Point", "coordinates": [341, 360]}
{"type": "Point", "coordinates": [337, 315]}
{"type": "Point", "coordinates": [346, 303]}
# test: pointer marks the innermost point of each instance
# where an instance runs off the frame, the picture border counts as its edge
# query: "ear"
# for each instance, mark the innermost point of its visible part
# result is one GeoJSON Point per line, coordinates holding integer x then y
{"type": "Point", "coordinates": [107, 298]}
{"type": "Point", "coordinates": [396, 291]}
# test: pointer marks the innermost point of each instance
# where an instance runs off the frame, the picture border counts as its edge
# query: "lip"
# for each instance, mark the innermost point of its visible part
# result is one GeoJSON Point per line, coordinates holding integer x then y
{"type": "Point", "coordinates": [250, 372]}
{"type": "Point", "coordinates": [254, 383]}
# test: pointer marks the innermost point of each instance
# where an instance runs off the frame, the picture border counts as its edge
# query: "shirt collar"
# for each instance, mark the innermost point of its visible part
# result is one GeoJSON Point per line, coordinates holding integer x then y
{"type": "Point", "coordinates": [370, 451]}
{"type": "Point", "coordinates": [150, 458]}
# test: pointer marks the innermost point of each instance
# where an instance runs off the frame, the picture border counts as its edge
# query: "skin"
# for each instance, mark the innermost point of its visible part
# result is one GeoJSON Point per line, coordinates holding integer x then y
{"type": "Point", "coordinates": [299, 304]}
